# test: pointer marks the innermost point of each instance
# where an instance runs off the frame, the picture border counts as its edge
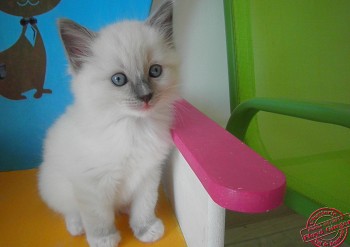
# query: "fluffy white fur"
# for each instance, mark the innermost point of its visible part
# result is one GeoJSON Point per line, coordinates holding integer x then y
{"type": "Point", "coordinates": [106, 152]}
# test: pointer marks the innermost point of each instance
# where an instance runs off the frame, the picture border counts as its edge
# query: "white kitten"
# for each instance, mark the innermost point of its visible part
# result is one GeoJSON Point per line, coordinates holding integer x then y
{"type": "Point", "coordinates": [106, 152]}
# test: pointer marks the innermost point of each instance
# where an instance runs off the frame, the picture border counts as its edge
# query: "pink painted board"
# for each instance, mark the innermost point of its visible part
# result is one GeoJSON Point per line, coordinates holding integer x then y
{"type": "Point", "coordinates": [235, 176]}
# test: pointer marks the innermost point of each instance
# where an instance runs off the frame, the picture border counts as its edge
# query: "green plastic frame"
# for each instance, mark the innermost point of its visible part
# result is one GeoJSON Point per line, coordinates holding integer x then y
{"type": "Point", "coordinates": [338, 114]}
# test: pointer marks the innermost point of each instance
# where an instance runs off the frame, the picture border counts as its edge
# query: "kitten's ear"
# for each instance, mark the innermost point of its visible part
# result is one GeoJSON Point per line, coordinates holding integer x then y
{"type": "Point", "coordinates": [77, 42]}
{"type": "Point", "coordinates": [162, 19]}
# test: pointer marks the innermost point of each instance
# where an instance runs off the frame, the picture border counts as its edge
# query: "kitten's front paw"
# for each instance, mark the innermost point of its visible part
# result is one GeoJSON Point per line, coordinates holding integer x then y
{"type": "Point", "coordinates": [111, 240]}
{"type": "Point", "coordinates": [151, 233]}
{"type": "Point", "coordinates": [74, 225]}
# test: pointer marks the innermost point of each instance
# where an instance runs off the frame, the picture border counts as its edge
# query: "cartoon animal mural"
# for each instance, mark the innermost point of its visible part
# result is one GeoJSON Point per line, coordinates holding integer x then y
{"type": "Point", "coordinates": [23, 65]}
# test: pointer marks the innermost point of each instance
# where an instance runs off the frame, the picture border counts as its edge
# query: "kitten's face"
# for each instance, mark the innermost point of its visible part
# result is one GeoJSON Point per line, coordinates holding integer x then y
{"type": "Point", "coordinates": [130, 67]}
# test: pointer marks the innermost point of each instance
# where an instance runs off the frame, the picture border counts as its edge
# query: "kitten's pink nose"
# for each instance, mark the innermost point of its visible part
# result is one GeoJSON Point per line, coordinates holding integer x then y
{"type": "Point", "coordinates": [146, 98]}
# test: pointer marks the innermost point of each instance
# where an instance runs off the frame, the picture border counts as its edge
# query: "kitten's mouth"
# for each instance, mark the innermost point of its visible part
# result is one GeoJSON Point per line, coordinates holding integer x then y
{"type": "Point", "coordinates": [145, 106]}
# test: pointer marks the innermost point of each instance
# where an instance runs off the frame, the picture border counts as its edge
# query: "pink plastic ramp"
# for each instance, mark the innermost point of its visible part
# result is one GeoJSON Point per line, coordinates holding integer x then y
{"type": "Point", "coordinates": [235, 177]}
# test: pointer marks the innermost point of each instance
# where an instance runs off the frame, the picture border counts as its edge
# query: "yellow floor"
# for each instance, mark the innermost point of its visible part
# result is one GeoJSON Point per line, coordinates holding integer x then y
{"type": "Point", "coordinates": [26, 221]}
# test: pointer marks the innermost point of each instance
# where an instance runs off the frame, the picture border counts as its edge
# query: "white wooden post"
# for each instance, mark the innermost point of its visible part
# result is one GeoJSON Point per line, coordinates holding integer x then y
{"type": "Point", "coordinates": [202, 221]}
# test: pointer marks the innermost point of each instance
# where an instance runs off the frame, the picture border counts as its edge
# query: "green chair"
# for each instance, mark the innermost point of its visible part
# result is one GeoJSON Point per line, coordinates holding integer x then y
{"type": "Point", "coordinates": [289, 71]}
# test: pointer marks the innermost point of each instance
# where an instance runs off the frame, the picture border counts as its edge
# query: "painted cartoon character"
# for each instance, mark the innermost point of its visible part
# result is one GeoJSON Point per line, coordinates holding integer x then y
{"type": "Point", "coordinates": [23, 65]}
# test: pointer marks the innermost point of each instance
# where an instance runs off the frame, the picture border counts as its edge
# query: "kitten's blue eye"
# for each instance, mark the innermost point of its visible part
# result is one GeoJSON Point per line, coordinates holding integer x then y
{"type": "Point", "coordinates": [119, 79]}
{"type": "Point", "coordinates": [155, 70]}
